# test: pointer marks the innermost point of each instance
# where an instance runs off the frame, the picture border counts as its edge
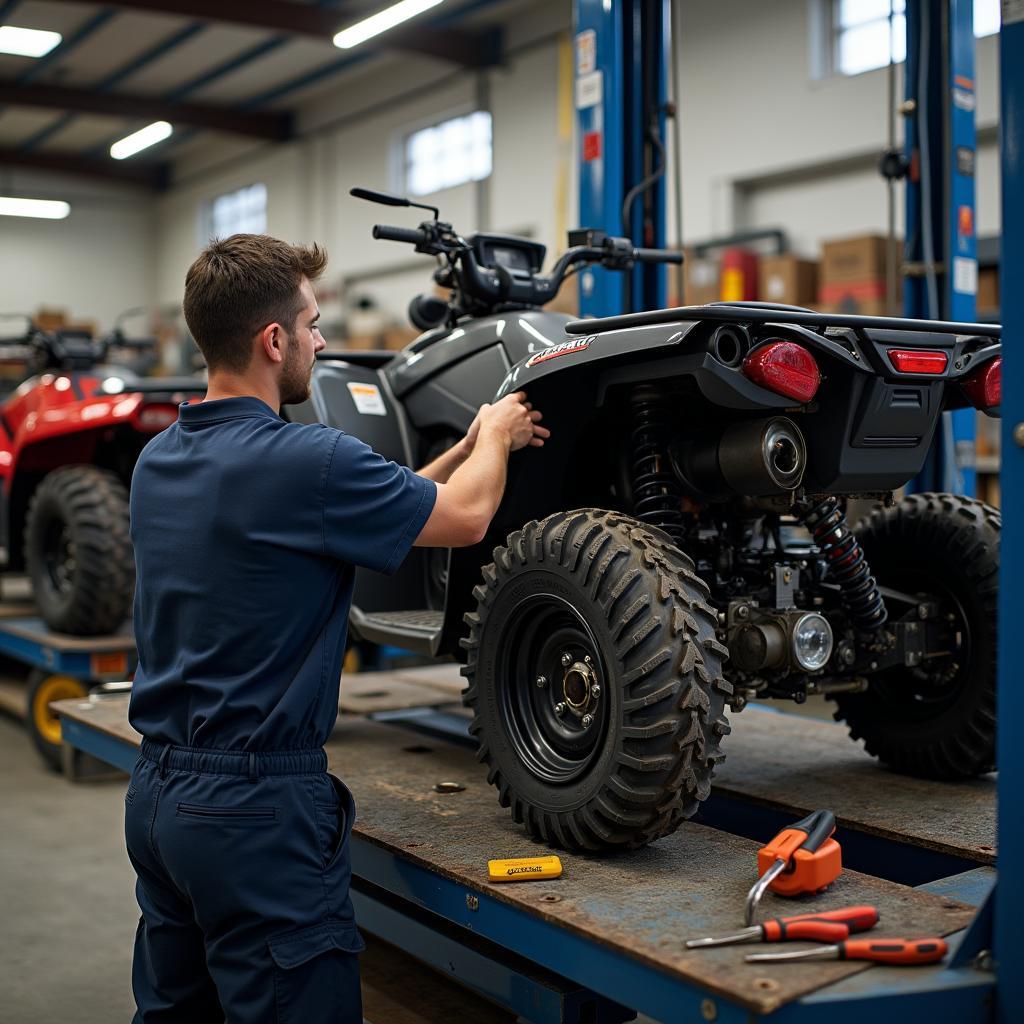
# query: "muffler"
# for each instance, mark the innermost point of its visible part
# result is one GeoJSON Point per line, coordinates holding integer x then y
{"type": "Point", "coordinates": [753, 458]}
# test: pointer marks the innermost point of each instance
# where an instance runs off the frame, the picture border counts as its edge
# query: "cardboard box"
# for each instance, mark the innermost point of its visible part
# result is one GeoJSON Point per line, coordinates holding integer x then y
{"type": "Point", "coordinates": [852, 277]}
{"type": "Point", "coordinates": [703, 280]}
{"type": "Point", "coordinates": [988, 290]}
{"type": "Point", "coordinates": [789, 279]}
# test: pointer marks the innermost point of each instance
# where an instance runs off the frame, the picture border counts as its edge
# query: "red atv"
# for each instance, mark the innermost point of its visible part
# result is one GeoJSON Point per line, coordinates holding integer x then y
{"type": "Point", "coordinates": [69, 438]}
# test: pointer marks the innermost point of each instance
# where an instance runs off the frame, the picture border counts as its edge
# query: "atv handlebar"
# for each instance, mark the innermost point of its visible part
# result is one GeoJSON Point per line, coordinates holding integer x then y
{"type": "Point", "coordinates": [414, 236]}
{"type": "Point", "coordinates": [657, 256]}
{"type": "Point", "coordinates": [483, 286]}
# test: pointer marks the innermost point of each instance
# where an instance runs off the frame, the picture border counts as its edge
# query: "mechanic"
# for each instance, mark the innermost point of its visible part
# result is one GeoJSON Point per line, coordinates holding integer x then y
{"type": "Point", "coordinates": [247, 530]}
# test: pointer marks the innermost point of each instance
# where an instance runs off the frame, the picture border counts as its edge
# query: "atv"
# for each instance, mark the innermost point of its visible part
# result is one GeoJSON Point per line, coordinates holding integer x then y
{"type": "Point", "coordinates": [70, 435]}
{"type": "Point", "coordinates": [680, 545]}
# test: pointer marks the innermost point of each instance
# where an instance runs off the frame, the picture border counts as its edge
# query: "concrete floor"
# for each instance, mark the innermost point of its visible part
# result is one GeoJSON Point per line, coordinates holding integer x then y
{"type": "Point", "coordinates": [68, 911]}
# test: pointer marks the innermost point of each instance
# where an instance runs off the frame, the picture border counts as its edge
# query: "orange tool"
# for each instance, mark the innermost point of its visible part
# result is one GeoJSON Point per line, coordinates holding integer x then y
{"type": "Point", "coordinates": [829, 926]}
{"type": "Point", "coordinates": [881, 951]}
{"type": "Point", "coordinates": [803, 858]}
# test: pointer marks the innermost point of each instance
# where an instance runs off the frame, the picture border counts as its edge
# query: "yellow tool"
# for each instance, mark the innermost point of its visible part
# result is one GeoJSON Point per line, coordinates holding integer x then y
{"type": "Point", "coordinates": [523, 869]}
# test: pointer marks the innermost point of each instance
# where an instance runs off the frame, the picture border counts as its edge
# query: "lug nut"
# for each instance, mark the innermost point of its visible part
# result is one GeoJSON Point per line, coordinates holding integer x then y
{"type": "Point", "coordinates": [588, 721]}
{"type": "Point", "coordinates": [560, 708]}
{"type": "Point", "coordinates": [542, 681]}
{"type": "Point", "coordinates": [595, 691]}
{"type": "Point", "coordinates": [566, 659]}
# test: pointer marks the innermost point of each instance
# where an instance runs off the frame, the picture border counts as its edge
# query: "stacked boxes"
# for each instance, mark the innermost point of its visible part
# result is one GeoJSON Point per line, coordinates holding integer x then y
{"type": "Point", "coordinates": [853, 276]}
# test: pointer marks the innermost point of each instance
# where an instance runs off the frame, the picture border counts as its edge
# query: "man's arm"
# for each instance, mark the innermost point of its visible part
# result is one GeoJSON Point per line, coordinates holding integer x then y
{"type": "Point", "coordinates": [441, 469]}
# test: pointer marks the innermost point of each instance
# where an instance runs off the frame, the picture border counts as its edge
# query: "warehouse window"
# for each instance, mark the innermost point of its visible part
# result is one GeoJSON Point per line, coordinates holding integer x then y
{"type": "Point", "coordinates": [242, 211]}
{"type": "Point", "coordinates": [870, 34]}
{"type": "Point", "coordinates": [448, 154]}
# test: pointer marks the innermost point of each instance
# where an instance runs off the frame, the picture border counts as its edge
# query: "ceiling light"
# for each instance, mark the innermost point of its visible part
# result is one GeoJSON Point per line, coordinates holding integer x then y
{"type": "Point", "coordinates": [48, 209]}
{"type": "Point", "coordinates": [381, 22]}
{"type": "Point", "coordinates": [142, 139]}
{"type": "Point", "coordinates": [27, 42]}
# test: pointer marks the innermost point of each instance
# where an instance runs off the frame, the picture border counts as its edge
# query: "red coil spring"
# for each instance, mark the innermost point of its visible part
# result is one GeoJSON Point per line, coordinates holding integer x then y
{"type": "Point", "coordinates": [847, 565]}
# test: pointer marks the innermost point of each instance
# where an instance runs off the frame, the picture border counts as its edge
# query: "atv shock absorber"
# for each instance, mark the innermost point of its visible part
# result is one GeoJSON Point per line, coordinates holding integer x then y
{"type": "Point", "coordinates": [657, 496]}
{"type": "Point", "coordinates": [846, 562]}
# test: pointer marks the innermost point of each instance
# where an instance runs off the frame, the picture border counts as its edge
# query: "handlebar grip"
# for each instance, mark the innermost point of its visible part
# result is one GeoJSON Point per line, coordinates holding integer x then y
{"type": "Point", "coordinates": [657, 256]}
{"type": "Point", "coordinates": [414, 236]}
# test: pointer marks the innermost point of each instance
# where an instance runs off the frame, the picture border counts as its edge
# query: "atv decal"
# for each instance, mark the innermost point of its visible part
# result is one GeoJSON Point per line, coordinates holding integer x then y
{"type": "Point", "coordinates": [564, 349]}
{"type": "Point", "coordinates": [368, 399]}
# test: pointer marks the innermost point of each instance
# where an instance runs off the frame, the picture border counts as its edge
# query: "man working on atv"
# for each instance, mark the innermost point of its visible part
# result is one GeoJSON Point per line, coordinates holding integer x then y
{"type": "Point", "coordinates": [246, 531]}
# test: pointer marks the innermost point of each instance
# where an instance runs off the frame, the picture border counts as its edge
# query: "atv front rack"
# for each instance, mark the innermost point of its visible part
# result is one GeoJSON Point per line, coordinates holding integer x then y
{"type": "Point", "coordinates": [765, 312]}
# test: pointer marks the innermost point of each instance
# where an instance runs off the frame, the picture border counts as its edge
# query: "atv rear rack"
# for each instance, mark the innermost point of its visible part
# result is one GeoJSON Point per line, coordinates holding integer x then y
{"type": "Point", "coordinates": [765, 312]}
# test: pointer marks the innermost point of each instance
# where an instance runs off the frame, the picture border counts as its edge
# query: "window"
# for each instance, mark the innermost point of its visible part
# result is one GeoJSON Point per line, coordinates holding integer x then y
{"type": "Point", "coordinates": [448, 154]}
{"type": "Point", "coordinates": [241, 211]}
{"type": "Point", "coordinates": [870, 34]}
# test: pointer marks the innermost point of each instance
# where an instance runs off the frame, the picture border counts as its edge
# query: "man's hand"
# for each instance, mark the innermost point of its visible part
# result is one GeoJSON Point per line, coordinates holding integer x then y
{"type": "Point", "coordinates": [514, 416]}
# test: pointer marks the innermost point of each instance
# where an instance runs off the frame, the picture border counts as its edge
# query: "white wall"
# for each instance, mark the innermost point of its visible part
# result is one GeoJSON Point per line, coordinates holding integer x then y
{"type": "Point", "coordinates": [94, 264]}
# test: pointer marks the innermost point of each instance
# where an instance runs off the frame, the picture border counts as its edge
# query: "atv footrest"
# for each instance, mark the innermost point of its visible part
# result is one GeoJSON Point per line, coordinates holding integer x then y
{"type": "Point", "coordinates": [417, 630]}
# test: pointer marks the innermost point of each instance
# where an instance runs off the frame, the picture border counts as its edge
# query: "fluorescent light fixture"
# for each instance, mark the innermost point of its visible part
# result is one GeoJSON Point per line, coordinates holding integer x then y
{"type": "Point", "coordinates": [47, 209]}
{"type": "Point", "coordinates": [27, 42]}
{"type": "Point", "coordinates": [142, 139]}
{"type": "Point", "coordinates": [381, 22]}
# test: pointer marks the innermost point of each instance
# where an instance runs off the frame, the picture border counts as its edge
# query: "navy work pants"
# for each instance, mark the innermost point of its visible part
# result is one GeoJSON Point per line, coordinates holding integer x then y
{"type": "Point", "coordinates": [243, 881]}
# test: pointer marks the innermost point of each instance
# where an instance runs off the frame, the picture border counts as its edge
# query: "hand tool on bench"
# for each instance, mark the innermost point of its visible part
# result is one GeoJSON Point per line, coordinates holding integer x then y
{"type": "Point", "coordinates": [881, 951]}
{"type": "Point", "coordinates": [826, 926]}
{"type": "Point", "coordinates": [802, 858]}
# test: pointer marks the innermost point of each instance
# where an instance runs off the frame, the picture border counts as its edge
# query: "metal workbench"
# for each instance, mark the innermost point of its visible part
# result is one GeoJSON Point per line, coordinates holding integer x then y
{"type": "Point", "coordinates": [606, 938]}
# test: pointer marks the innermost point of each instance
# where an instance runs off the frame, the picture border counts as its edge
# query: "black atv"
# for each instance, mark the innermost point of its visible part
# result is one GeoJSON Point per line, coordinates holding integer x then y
{"type": "Point", "coordinates": [689, 508]}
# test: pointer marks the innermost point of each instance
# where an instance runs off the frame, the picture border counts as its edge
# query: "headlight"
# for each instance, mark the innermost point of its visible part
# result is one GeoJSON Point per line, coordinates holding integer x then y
{"type": "Point", "coordinates": [812, 641]}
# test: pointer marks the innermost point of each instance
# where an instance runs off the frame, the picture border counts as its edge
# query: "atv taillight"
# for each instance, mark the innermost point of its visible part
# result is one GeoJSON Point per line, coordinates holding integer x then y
{"type": "Point", "coordinates": [155, 418]}
{"type": "Point", "coordinates": [984, 387]}
{"type": "Point", "coordinates": [785, 368]}
{"type": "Point", "coordinates": [917, 360]}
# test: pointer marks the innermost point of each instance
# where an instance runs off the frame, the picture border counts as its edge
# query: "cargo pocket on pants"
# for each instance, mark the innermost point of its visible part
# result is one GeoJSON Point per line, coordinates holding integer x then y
{"type": "Point", "coordinates": [316, 974]}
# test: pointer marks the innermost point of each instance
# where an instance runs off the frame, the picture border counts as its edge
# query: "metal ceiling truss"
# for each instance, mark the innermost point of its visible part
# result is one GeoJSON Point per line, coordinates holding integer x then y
{"type": "Point", "coordinates": [321, 19]}
{"type": "Point", "coordinates": [470, 49]}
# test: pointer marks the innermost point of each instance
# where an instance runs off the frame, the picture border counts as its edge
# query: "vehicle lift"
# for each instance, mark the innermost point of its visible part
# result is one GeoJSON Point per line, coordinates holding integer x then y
{"type": "Point", "coordinates": [508, 948]}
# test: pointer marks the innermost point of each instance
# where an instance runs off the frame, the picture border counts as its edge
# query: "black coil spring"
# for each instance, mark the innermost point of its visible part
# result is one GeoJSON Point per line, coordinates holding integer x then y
{"type": "Point", "coordinates": [657, 495]}
{"type": "Point", "coordinates": [847, 565]}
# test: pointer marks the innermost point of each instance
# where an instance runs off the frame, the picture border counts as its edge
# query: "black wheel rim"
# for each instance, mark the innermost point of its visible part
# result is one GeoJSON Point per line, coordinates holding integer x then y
{"type": "Point", "coordinates": [548, 656]}
{"type": "Point", "coordinates": [923, 693]}
{"type": "Point", "coordinates": [59, 556]}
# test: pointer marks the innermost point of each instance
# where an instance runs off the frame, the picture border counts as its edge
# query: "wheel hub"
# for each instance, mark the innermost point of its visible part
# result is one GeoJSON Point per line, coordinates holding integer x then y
{"type": "Point", "coordinates": [578, 685]}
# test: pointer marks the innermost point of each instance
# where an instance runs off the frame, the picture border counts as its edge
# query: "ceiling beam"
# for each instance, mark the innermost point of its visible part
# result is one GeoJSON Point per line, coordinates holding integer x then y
{"type": "Point", "coordinates": [152, 175]}
{"type": "Point", "coordinates": [471, 49]}
{"type": "Point", "coordinates": [271, 125]}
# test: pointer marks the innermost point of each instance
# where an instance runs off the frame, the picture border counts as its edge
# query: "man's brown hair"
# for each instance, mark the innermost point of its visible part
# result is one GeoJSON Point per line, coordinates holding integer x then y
{"type": "Point", "coordinates": [240, 284]}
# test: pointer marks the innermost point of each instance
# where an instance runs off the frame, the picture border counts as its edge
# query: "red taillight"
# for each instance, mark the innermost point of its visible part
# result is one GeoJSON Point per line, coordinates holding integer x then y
{"type": "Point", "coordinates": [984, 387]}
{"type": "Point", "coordinates": [917, 360]}
{"type": "Point", "coordinates": [154, 418]}
{"type": "Point", "coordinates": [785, 368]}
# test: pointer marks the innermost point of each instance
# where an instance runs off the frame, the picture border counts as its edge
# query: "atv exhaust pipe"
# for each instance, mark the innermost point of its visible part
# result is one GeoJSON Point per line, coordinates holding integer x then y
{"type": "Point", "coordinates": [753, 458]}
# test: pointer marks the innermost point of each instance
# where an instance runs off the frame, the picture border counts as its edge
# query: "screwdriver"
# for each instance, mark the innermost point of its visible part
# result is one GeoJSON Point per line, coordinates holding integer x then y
{"type": "Point", "coordinates": [802, 858]}
{"type": "Point", "coordinates": [882, 951]}
{"type": "Point", "coordinates": [828, 926]}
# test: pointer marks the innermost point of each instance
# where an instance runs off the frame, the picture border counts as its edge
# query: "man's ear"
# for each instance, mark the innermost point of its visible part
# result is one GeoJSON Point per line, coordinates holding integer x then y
{"type": "Point", "coordinates": [271, 338]}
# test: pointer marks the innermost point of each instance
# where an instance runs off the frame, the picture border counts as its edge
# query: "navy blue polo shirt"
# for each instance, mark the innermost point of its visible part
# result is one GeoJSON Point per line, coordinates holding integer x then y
{"type": "Point", "coordinates": [246, 531]}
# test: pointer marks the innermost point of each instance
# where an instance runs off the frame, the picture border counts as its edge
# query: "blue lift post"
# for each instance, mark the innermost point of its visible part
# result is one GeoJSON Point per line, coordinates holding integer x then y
{"type": "Point", "coordinates": [622, 55]}
{"type": "Point", "coordinates": [940, 204]}
{"type": "Point", "coordinates": [1009, 895]}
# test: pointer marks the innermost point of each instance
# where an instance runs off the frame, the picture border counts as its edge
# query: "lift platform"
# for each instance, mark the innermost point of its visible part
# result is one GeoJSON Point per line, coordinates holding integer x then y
{"type": "Point", "coordinates": [59, 665]}
{"type": "Point", "coordinates": [607, 938]}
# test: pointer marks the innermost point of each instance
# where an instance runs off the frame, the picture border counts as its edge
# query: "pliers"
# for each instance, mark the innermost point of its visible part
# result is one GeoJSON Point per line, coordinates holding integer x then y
{"type": "Point", "coordinates": [802, 858]}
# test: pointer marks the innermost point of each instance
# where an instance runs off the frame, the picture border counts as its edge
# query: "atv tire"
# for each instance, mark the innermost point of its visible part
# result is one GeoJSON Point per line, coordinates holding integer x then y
{"type": "Point", "coordinates": [582, 600]}
{"type": "Point", "coordinates": [938, 722]}
{"type": "Point", "coordinates": [78, 551]}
